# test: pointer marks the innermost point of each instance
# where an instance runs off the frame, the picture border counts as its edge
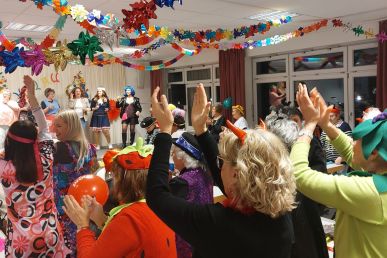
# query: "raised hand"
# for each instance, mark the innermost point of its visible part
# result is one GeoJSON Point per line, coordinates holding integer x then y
{"type": "Point", "coordinates": [200, 109]}
{"type": "Point", "coordinates": [310, 108]}
{"type": "Point", "coordinates": [30, 84]}
{"type": "Point", "coordinates": [161, 112]}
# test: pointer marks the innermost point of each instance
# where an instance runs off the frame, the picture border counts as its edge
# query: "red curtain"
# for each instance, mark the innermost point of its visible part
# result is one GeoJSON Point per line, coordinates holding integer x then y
{"type": "Point", "coordinates": [232, 77]}
{"type": "Point", "coordinates": [381, 83]}
{"type": "Point", "coordinates": [156, 77]}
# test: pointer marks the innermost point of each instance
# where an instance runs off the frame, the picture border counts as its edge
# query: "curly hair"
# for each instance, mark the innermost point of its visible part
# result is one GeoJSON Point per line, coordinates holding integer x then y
{"type": "Point", "coordinates": [265, 180]}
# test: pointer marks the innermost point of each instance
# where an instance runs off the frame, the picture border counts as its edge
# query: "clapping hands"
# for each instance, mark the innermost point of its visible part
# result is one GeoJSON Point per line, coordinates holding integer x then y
{"type": "Point", "coordinates": [161, 112]}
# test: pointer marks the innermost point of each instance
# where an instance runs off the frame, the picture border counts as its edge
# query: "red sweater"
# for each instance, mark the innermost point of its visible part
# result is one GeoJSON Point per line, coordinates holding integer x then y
{"type": "Point", "coordinates": [134, 232]}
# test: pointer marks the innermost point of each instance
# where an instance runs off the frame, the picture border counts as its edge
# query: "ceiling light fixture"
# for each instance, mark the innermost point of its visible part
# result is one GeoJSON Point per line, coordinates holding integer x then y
{"type": "Point", "coordinates": [28, 27]}
{"type": "Point", "coordinates": [271, 15]}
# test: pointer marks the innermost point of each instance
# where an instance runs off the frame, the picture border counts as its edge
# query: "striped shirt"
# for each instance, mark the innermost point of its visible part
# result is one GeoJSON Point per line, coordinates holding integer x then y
{"type": "Point", "coordinates": [330, 151]}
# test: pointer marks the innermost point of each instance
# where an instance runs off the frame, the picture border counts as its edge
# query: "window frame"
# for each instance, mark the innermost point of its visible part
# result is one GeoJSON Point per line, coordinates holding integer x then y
{"type": "Point", "coordinates": [270, 58]}
{"type": "Point", "coordinates": [319, 71]}
{"type": "Point", "coordinates": [351, 56]}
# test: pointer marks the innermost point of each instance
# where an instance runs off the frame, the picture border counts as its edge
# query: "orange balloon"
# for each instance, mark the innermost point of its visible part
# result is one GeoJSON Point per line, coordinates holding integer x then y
{"type": "Point", "coordinates": [89, 185]}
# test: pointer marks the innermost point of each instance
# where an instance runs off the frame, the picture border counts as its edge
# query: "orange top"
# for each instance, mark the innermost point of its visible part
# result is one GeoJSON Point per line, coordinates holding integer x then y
{"type": "Point", "coordinates": [134, 232]}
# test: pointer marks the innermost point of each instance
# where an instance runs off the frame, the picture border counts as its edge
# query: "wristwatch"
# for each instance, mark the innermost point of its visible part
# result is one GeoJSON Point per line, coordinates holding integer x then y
{"type": "Point", "coordinates": [305, 132]}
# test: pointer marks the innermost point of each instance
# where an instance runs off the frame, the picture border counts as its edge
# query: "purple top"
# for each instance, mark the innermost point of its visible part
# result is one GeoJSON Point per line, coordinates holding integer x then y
{"type": "Point", "coordinates": [200, 191]}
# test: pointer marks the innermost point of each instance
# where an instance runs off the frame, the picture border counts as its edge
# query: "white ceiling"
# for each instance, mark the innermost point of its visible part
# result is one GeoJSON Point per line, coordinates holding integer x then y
{"type": "Point", "coordinates": [199, 14]}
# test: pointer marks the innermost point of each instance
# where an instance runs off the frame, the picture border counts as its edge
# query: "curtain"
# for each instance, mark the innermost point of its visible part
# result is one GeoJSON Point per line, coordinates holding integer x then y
{"type": "Point", "coordinates": [111, 77]}
{"type": "Point", "coordinates": [381, 83]}
{"type": "Point", "coordinates": [156, 77]}
{"type": "Point", "coordinates": [232, 77]}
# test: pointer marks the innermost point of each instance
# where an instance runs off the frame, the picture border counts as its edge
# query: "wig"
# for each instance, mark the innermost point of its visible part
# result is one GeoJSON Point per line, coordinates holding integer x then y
{"type": "Point", "coordinates": [131, 88]}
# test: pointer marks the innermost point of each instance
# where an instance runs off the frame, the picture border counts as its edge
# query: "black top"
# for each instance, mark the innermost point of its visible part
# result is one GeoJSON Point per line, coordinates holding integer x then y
{"type": "Point", "coordinates": [308, 229]}
{"type": "Point", "coordinates": [216, 128]}
{"type": "Point", "coordinates": [214, 230]}
{"type": "Point", "coordinates": [122, 105]}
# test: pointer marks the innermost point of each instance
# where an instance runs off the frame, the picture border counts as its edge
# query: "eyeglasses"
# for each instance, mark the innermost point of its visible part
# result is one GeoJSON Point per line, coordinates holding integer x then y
{"type": "Point", "coordinates": [219, 162]}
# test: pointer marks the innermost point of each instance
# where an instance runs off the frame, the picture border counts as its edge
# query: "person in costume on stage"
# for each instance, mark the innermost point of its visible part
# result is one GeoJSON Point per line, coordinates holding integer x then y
{"type": "Point", "coordinates": [130, 111]}
{"type": "Point", "coordinates": [194, 183]}
{"type": "Point", "coordinates": [80, 103]}
{"type": "Point", "coordinates": [238, 113]}
{"type": "Point", "coordinates": [252, 168]}
{"type": "Point", "coordinates": [73, 157]}
{"type": "Point", "coordinates": [360, 198]}
{"type": "Point", "coordinates": [26, 172]}
{"type": "Point", "coordinates": [9, 113]}
{"type": "Point", "coordinates": [99, 120]}
{"type": "Point", "coordinates": [131, 229]}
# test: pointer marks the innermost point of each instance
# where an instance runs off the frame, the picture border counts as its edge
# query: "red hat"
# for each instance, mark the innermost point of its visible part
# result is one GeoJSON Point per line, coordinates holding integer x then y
{"type": "Point", "coordinates": [131, 158]}
{"type": "Point", "coordinates": [335, 110]}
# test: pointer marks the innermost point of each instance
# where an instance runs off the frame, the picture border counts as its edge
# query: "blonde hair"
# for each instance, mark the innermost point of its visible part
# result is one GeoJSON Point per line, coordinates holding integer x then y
{"type": "Point", "coordinates": [265, 180]}
{"type": "Point", "coordinates": [75, 133]}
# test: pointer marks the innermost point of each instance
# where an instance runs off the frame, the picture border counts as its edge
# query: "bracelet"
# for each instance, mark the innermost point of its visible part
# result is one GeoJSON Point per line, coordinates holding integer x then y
{"type": "Point", "coordinates": [306, 133]}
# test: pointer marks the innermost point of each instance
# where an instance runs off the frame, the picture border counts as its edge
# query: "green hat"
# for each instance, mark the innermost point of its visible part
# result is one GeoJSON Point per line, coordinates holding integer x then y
{"type": "Point", "coordinates": [373, 134]}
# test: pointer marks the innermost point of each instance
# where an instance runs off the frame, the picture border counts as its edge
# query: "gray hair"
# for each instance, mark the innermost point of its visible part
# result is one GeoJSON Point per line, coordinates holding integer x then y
{"type": "Point", "coordinates": [189, 162]}
{"type": "Point", "coordinates": [286, 129]}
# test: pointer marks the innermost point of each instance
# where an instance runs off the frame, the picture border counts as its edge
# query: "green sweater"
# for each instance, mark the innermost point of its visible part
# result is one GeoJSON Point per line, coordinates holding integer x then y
{"type": "Point", "coordinates": [361, 219]}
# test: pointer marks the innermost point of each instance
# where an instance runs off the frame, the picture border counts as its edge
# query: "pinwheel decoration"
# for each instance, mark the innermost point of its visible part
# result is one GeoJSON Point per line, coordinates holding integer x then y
{"type": "Point", "coordinates": [141, 13]}
{"type": "Point", "coordinates": [59, 56]}
{"type": "Point", "coordinates": [84, 46]}
{"type": "Point", "coordinates": [11, 60]}
{"type": "Point", "coordinates": [35, 59]}
{"type": "Point", "coordinates": [167, 3]}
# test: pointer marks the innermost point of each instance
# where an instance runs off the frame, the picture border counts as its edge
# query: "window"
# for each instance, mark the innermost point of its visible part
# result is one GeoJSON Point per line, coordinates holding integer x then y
{"type": "Point", "coordinates": [363, 57]}
{"type": "Point", "coordinates": [199, 75]}
{"type": "Point", "coordinates": [364, 94]}
{"type": "Point", "coordinates": [269, 94]}
{"type": "Point", "coordinates": [175, 76]}
{"type": "Point", "coordinates": [271, 67]}
{"type": "Point", "coordinates": [176, 94]}
{"type": "Point", "coordinates": [318, 62]}
{"type": "Point", "coordinates": [367, 56]}
{"type": "Point", "coordinates": [182, 85]}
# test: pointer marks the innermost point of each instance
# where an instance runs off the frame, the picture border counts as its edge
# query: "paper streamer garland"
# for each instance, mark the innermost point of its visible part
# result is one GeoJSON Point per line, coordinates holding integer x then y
{"type": "Point", "coordinates": [54, 33]}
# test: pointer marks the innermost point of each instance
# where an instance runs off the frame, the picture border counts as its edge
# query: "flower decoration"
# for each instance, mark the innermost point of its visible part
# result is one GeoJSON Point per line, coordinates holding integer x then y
{"type": "Point", "coordinates": [12, 59]}
{"type": "Point", "coordinates": [95, 18]}
{"type": "Point", "coordinates": [41, 3]}
{"type": "Point", "coordinates": [337, 23]}
{"type": "Point", "coordinates": [106, 37]}
{"type": "Point", "coordinates": [59, 56]}
{"type": "Point", "coordinates": [85, 45]}
{"type": "Point", "coordinates": [358, 30]}
{"type": "Point", "coordinates": [79, 13]}
{"type": "Point", "coordinates": [382, 36]}
{"type": "Point", "coordinates": [35, 59]}
{"type": "Point", "coordinates": [168, 3]}
{"type": "Point", "coordinates": [141, 13]}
